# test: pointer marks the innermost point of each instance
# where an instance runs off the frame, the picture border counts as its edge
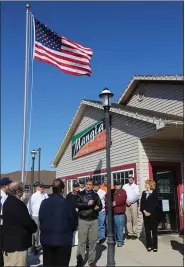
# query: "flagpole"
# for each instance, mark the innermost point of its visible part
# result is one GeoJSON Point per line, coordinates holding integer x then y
{"type": "Point", "coordinates": [25, 95]}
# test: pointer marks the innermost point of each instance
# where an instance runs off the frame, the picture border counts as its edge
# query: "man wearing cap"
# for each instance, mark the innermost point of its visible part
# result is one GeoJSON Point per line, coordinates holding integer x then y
{"type": "Point", "coordinates": [34, 206]}
{"type": "Point", "coordinates": [72, 197]}
{"type": "Point", "coordinates": [82, 185]}
{"type": "Point", "coordinates": [132, 191]}
{"type": "Point", "coordinates": [101, 216]}
{"type": "Point", "coordinates": [119, 198]}
{"type": "Point", "coordinates": [4, 183]}
{"type": "Point", "coordinates": [104, 185]}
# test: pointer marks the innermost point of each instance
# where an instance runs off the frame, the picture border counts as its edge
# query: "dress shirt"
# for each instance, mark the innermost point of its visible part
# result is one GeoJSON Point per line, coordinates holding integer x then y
{"type": "Point", "coordinates": [101, 193]}
{"type": "Point", "coordinates": [82, 189]}
{"type": "Point", "coordinates": [3, 198]}
{"type": "Point", "coordinates": [35, 202]}
{"type": "Point", "coordinates": [148, 193]}
{"type": "Point", "coordinates": [132, 191]}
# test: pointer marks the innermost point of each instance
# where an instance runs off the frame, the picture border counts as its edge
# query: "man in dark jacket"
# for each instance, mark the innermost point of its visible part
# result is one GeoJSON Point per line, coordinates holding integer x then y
{"type": "Point", "coordinates": [89, 205]}
{"type": "Point", "coordinates": [119, 198]}
{"type": "Point", "coordinates": [18, 227]}
{"type": "Point", "coordinates": [72, 197]}
{"type": "Point", "coordinates": [58, 220]}
{"type": "Point", "coordinates": [4, 183]}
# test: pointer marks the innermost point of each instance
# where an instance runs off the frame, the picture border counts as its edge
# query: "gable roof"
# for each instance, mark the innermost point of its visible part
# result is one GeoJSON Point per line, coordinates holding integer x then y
{"type": "Point", "coordinates": [149, 78]}
{"type": "Point", "coordinates": [47, 177]}
{"type": "Point", "coordinates": [157, 118]}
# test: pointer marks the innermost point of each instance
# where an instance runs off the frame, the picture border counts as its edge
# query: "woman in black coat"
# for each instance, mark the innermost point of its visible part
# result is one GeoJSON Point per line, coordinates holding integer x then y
{"type": "Point", "coordinates": [149, 209]}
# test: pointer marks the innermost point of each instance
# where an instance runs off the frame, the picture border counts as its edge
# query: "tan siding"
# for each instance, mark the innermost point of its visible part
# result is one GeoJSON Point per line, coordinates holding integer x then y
{"type": "Point", "coordinates": [166, 98]}
{"type": "Point", "coordinates": [124, 149]}
{"type": "Point", "coordinates": [167, 151]}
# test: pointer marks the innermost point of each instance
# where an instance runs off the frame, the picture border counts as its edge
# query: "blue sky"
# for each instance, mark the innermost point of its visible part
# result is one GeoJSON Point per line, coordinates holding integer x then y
{"type": "Point", "coordinates": [128, 38]}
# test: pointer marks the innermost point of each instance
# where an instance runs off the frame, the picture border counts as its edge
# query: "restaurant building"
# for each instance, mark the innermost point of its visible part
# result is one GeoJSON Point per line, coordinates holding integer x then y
{"type": "Point", "coordinates": [146, 141]}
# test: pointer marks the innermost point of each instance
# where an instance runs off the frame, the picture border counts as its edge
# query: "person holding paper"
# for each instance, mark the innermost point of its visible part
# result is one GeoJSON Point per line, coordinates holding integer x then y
{"type": "Point", "coordinates": [149, 209]}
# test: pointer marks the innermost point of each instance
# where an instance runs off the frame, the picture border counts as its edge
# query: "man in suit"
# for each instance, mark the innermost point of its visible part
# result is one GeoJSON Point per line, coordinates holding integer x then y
{"type": "Point", "coordinates": [89, 205]}
{"type": "Point", "coordinates": [4, 182]}
{"type": "Point", "coordinates": [18, 227]}
{"type": "Point", "coordinates": [58, 220]}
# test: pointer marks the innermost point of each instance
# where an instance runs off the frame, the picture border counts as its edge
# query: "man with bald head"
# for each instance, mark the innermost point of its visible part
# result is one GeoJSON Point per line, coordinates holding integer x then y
{"type": "Point", "coordinates": [18, 227]}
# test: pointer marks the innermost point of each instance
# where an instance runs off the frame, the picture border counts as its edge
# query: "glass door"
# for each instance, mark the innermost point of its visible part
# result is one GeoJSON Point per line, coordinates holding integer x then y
{"type": "Point", "coordinates": [167, 196]}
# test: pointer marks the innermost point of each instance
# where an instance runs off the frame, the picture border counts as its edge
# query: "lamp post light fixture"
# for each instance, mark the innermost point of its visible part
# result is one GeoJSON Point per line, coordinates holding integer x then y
{"type": "Point", "coordinates": [106, 97]}
{"type": "Point", "coordinates": [33, 153]}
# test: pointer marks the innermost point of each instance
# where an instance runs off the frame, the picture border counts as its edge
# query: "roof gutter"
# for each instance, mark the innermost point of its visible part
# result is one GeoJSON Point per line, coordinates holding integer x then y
{"type": "Point", "coordinates": [176, 124]}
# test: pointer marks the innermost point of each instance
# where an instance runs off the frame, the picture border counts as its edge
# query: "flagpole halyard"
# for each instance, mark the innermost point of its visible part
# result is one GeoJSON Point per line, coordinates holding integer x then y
{"type": "Point", "coordinates": [25, 95]}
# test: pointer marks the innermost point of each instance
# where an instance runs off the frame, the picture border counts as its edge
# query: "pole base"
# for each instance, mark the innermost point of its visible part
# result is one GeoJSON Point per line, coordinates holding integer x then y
{"type": "Point", "coordinates": [111, 252]}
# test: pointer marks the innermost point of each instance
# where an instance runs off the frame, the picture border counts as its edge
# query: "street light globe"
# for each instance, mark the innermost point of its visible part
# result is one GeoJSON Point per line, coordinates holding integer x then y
{"type": "Point", "coordinates": [33, 153]}
{"type": "Point", "coordinates": [106, 97]}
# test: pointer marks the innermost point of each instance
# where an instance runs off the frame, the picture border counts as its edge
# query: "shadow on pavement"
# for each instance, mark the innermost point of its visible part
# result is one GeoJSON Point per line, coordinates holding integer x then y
{"type": "Point", "coordinates": [143, 241]}
{"type": "Point", "coordinates": [177, 246]}
{"type": "Point", "coordinates": [99, 251]}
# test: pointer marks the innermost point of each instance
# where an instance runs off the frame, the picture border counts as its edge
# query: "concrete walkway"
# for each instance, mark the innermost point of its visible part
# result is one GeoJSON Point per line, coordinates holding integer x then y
{"type": "Point", "coordinates": [133, 253]}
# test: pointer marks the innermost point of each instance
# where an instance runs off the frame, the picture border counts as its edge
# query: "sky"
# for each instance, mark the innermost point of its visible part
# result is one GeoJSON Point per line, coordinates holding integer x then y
{"type": "Point", "coordinates": [127, 38]}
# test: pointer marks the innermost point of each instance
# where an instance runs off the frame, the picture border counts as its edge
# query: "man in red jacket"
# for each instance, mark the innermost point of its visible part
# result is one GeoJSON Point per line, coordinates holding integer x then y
{"type": "Point", "coordinates": [119, 198]}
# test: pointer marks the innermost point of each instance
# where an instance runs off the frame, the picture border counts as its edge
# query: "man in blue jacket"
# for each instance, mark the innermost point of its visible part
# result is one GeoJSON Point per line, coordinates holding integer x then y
{"type": "Point", "coordinates": [58, 220]}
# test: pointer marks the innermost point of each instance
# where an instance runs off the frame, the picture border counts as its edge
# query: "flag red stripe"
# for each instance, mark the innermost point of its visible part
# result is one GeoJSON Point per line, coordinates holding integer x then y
{"type": "Point", "coordinates": [60, 56]}
{"type": "Point", "coordinates": [74, 50]}
{"type": "Point", "coordinates": [61, 63]}
{"type": "Point", "coordinates": [66, 71]}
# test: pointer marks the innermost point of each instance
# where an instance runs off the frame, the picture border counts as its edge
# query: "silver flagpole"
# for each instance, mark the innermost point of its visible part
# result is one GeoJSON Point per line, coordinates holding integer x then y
{"type": "Point", "coordinates": [25, 95]}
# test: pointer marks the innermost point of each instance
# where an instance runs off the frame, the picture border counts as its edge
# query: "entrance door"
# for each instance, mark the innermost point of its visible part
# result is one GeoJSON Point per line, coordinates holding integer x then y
{"type": "Point", "coordinates": [167, 196]}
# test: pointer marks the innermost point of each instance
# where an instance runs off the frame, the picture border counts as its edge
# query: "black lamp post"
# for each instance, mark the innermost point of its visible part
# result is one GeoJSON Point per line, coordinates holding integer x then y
{"type": "Point", "coordinates": [106, 97]}
{"type": "Point", "coordinates": [39, 152]}
{"type": "Point", "coordinates": [33, 153]}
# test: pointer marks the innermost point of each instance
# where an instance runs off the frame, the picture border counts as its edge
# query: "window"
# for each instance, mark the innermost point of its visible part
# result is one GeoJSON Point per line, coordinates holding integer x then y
{"type": "Point", "coordinates": [83, 178]}
{"type": "Point", "coordinates": [122, 176]}
{"type": "Point", "coordinates": [99, 177]}
{"type": "Point", "coordinates": [70, 185]}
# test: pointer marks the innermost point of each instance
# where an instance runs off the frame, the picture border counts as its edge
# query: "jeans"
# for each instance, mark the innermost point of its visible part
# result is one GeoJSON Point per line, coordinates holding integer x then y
{"type": "Point", "coordinates": [101, 225]}
{"type": "Point", "coordinates": [119, 224]}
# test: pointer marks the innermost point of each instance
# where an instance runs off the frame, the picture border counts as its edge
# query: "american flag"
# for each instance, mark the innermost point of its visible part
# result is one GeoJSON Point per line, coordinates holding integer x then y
{"type": "Point", "coordinates": [68, 56]}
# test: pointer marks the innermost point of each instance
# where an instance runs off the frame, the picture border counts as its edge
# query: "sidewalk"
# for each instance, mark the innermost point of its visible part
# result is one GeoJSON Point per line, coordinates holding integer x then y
{"type": "Point", "coordinates": [134, 253]}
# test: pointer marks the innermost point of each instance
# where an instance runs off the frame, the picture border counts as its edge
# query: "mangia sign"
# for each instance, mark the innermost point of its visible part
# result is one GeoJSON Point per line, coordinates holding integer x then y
{"type": "Point", "coordinates": [90, 140]}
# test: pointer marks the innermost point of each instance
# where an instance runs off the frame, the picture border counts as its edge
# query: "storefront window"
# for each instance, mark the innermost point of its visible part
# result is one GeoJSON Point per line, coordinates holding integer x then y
{"type": "Point", "coordinates": [99, 177]}
{"type": "Point", "coordinates": [70, 185]}
{"type": "Point", "coordinates": [83, 178]}
{"type": "Point", "coordinates": [122, 176]}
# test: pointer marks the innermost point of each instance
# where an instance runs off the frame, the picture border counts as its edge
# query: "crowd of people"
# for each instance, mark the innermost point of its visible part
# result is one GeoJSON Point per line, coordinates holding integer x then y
{"type": "Point", "coordinates": [55, 223]}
